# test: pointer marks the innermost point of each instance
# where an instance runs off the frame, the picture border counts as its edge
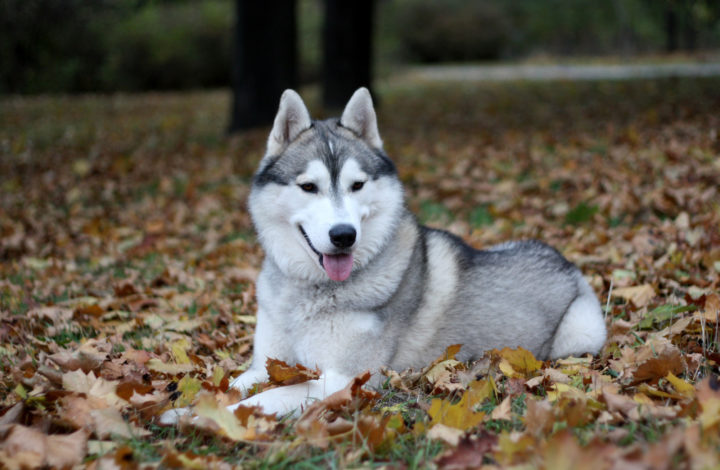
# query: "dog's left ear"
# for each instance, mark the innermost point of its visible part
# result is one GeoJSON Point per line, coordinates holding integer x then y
{"type": "Point", "coordinates": [359, 116]}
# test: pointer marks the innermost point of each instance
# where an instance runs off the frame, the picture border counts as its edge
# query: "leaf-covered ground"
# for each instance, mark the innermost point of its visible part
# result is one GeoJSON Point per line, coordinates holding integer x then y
{"type": "Point", "coordinates": [127, 261]}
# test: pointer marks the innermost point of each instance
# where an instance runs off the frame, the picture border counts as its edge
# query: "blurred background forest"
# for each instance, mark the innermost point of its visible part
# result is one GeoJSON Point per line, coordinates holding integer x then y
{"type": "Point", "coordinates": [59, 46]}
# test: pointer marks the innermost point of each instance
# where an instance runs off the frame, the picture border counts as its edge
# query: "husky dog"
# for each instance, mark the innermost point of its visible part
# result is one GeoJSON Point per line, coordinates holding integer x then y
{"type": "Point", "coordinates": [351, 282]}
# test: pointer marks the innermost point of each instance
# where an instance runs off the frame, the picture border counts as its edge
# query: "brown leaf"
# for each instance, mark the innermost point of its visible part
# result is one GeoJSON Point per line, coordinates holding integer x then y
{"type": "Point", "coordinates": [93, 310]}
{"type": "Point", "coordinates": [539, 418]}
{"type": "Point", "coordinates": [670, 361]}
{"type": "Point", "coordinates": [108, 422]}
{"type": "Point", "coordinates": [469, 453]}
{"type": "Point", "coordinates": [563, 452]}
{"type": "Point", "coordinates": [281, 373]}
{"type": "Point", "coordinates": [126, 389]}
{"type": "Point", "coordinates": [618, 403]}
{"type": "Point", "coordinates": [125, 289]}
{"type": "Point", "coordinates": [25, 447]}
{"type": "Point", "coordinates": [313, 424]}
{"type": "Point", "coordinates": [75, 411]}
{"type": "Point", "coordinates": [68, 450]}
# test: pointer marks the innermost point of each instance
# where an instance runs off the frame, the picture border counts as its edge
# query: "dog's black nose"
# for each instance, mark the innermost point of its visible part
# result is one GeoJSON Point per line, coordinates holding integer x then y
{"type": "Point", "coordinates": [343, 235]}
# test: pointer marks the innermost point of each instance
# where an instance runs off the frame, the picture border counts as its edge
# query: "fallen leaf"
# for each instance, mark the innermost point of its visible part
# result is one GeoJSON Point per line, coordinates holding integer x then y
{"type": "Point", "coordinates": [469, 453]}
{"type": "Point", "coordinates": [460, 415]}
{"type": "Point", "coordinates": [680, 385]}
{"type": "Point", "coordinates": [518, 362]}
{"type": "Point", "coordinates": [25, 447]}
{"type": "Point", "coordinates": [79, 382]}
{"type": "Point", "coordinates": [670, 361]}
{"type": "Point", "coordinates": [444, 433]}
{"type": "Point", "coordinates": [281, 373]}
{"type": "Point", "coordinates": [108, 422]}
{"type": "Point", "coordinates": [502, 411]}
{"type": "Point", "coordinates": [225, 423]}
{"type": "Point", "coordinates": [640, 295]}
{"type": "Point", "coordinates": [168, 368]}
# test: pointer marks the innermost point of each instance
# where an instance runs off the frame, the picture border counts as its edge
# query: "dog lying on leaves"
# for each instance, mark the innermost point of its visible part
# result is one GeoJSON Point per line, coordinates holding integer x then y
{"type": "Point", "coordinates": [351, 282]}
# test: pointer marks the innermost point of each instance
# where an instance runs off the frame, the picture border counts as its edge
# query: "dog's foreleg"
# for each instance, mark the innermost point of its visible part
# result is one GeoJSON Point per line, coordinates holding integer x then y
{"type": "Point", "coordinates": [291, 398]}
{"type": "Point", "coordinates": [269, 342]}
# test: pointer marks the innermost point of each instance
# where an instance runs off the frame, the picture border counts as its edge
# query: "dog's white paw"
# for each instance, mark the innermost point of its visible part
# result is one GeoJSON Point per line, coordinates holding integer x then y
{"type": "Point", "coordinates": [246, 380]}
{"type": "Point", "coordinates": [280, 401]}
{"type": "Point", "coordinates": [172, 416]}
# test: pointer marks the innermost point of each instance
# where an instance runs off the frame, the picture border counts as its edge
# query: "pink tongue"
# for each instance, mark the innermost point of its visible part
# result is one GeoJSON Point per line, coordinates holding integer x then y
{"type": "Point", "coordinates": [338, 267]}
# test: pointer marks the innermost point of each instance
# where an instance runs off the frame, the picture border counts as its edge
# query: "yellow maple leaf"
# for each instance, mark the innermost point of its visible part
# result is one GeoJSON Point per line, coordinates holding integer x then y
{"type": "Point", "coordinates": [461, 415]}
{"type": "Point", "coordinates": [518, 362]}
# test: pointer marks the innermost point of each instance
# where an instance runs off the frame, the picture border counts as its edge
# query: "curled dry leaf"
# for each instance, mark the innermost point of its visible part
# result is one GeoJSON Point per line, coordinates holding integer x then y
{"type": "Point", "coordinates": [316, 423]}
{"type": "Point", "coordinates": [281, 373]}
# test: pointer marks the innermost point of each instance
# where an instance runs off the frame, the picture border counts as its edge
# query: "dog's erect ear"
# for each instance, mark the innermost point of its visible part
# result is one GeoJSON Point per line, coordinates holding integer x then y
{"type": "Point", "coordinates": [359, 117]}
{"type": "Point", "coordinates": [291, 119]}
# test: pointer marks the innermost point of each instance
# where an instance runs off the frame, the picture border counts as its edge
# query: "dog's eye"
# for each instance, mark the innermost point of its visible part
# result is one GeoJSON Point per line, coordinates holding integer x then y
{"type": "Point", "coordinates": [357, 185]}
{"type": "Point", "coordinates": [309, 187]}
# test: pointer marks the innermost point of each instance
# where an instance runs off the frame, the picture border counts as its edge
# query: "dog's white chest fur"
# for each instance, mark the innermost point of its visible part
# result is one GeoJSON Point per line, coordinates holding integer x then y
{"type": "Point", "coordinates": [315, 330]}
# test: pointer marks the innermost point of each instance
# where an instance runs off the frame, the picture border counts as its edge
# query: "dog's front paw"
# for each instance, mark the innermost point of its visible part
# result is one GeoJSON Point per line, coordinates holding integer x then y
{"type": "Point", "coordinates": [280, 401]}
{"type": "Point", "coordinates": [247, 379]}
{"type": "Point", "coordinates": [172, 416]}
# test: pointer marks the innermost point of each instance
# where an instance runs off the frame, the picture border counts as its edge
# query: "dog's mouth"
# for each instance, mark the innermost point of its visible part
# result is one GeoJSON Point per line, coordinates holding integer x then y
{"type": "Point", "coordinates": [337, 266]}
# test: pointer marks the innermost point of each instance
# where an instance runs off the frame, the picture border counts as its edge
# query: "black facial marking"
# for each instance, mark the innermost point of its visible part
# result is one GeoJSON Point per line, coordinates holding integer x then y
{"type": "Point", "coordinates": [385, 166]}
{"type": "Point", "coordinates": [268, 175]}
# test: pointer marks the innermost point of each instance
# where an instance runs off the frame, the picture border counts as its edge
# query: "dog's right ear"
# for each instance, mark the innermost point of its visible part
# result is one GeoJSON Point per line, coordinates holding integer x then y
{"type": "Point", "coordinates": [292, 118]}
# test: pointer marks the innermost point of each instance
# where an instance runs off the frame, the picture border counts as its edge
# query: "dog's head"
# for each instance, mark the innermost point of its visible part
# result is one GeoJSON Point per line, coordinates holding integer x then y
{"type": "Point", "coordinates": [325, 199]}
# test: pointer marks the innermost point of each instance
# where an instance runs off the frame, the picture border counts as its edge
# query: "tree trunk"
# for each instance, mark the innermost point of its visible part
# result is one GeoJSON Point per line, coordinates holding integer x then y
{"type": "Point", "coordinates": [671, 27]}
{"type": "Point", "coordinates": [265, 60]}
{"type": "Point", "coordinates": [347, 50]}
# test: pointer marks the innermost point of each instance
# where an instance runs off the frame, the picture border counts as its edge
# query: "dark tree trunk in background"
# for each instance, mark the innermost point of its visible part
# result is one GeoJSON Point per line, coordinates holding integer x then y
{"type": "Point", "coordinates": [671, 27]}
{"type": "Point", "coordinates": [265, 60]}
{"type": "Point", "coordinates": [347, 50]}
